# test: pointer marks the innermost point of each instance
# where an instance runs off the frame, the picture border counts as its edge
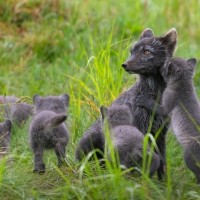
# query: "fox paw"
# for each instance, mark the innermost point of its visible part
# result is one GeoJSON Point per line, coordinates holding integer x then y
{"type": "Point", "coordinates": [40, 169]}
{"type": "Point", "coordinates": [141, 100]}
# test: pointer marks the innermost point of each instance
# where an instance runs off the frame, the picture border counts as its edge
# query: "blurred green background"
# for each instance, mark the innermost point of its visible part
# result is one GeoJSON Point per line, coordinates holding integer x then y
{"type": "Point", "coordinates": [42, 40]}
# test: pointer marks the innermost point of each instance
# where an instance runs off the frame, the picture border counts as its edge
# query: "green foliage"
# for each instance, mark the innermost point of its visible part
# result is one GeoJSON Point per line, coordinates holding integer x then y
{"type": "Point", "coordinates": [52, 47]}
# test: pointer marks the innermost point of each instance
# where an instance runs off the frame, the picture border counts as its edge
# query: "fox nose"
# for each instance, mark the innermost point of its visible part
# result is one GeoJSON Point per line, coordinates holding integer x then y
{"type": "Point", "coordinates": [124, 65]}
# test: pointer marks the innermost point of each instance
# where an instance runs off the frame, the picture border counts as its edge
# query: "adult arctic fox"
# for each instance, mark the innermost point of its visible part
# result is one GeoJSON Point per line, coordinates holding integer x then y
{"type": "Point", "coordinates": [147, 56]}
{"type": "Point", "coordinates": [47, 130]}
{"type": "Point", "coordinates": [181, 102]}
{"type": "Point", "coordinates": [127, 140]}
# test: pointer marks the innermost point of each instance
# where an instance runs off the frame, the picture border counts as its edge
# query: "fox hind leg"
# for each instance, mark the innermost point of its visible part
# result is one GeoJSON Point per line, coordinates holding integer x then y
{"type": "Point", "coordinates": [192, 161]}
{"type": "Point", "coordinates": [60, 152]}
{"type": "Point", "coordinates": [39, 166]}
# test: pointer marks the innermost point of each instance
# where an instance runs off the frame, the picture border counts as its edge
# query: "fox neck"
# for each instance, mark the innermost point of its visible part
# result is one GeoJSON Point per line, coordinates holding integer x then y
{"type": "Point", "coordinates": [152, 85]}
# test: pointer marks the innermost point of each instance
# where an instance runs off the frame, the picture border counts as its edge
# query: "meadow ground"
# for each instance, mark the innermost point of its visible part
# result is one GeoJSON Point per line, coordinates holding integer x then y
{"type": "Point", "coordinates": [52, 47]}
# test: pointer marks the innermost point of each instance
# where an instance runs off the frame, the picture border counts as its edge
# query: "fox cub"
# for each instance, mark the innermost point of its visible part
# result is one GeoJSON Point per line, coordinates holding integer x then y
{"type": "Point", "coordinates": [147, 56]}
{"type": "Point", "coordinates": [47, 130]}
{"type": "Point", "coordinates": [5, 135]}
{"type": "Point", "coordinates": [127, 140]}
{"type": "Point", "coordinates": [18, 113]}
{"type": "Point", "coordinates": [180, 101]}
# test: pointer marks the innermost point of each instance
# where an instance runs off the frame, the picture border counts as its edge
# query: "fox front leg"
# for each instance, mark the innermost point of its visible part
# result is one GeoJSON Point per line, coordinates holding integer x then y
{"type": "Point", "coordinates": [151, 105]}
{"type": "Point", "coordinates": [145, 102]}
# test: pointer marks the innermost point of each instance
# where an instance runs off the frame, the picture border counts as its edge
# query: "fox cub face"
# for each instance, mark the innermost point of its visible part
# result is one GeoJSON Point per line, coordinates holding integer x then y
{"type": "Point", "coordinates": [176, 70]}
{"type": "Point", "coordinates": [117, 115]}
{"type": "Point", "coordinates": [150, 52]}
{"type": "Point", "coordinates": [56, 104]}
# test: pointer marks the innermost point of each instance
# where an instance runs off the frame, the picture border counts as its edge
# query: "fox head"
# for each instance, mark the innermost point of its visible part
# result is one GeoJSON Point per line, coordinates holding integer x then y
{"type": "Point", "coordinates": [177, 70]}
{"type": "Point", "coordinates": [117, 115]}
{"type": "Point", "coordinates": [57, 104]}
{"type": "Point", "coordinates": [150, 52]}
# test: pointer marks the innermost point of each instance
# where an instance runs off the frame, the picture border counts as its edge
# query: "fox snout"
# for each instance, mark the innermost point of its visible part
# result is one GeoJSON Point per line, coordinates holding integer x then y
{"type": "Point", "coordinates": [124, 65]}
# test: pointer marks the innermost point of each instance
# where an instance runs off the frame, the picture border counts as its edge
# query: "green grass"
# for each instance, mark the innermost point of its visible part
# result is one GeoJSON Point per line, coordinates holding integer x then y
{"type": "Point", "coordinates": [52, 47]}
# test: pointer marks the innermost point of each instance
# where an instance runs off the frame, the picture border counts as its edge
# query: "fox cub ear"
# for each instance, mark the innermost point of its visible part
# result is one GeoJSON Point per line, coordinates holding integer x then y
{"type": "Point", "coordinates": [146, 33]}
{"type": "Point", "coordinates": [36, 97]}
{"type": "Point", "coordinates": [169, 40]}
{"type": "Point", "coordinates": [192, 62]}
{"type": "Point", "coordinates": [65, 98]}
{"type": "Point", "coordinates": [174, 70]}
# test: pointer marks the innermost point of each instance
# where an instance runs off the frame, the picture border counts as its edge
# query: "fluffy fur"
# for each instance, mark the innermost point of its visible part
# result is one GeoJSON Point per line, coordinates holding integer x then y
{"type": "Point", "coordinates": [18, 113]}
{"type": "Point", "coordinates": [147, 56]}
{"type": "Point", "coordinates": [5, 135]}
{"type": "Point", "coordinates": [126, 139]}
{"type": "Point", "coordinates": [47, 130]}
{"type": "Point", "coordinates": [180, 101]}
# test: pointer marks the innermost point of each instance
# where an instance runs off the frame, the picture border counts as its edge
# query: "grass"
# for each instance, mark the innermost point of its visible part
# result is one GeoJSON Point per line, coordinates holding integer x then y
{"type": "Point", "coordinates": [52, 47]}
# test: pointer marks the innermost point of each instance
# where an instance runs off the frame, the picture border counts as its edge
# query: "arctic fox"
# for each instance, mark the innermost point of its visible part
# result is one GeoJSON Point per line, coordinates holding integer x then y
{"type": "Point", "coordinates": [181, 102]}
{"type": "Point", "coordinates": [47, 130]}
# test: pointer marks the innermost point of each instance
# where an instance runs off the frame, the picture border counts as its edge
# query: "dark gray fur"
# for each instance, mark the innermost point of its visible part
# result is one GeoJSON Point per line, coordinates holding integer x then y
{"type": "Point", "coordinates": [126, 139]}
{"type": "Point", "coordinates": [5, 135]}
{"type": "Point", "coordinates": [181, 103]}
{"type": "Point", "coordinates": [47, 130]}
{"type": "Point", "coordinates": [18, 113]}
{"type": "Point", "coordinates": [150, 84]}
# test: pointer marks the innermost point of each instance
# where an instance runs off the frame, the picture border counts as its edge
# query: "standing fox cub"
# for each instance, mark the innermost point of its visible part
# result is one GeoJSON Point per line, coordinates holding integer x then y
{"type": "Point", "coordinates": [127, 140]}
{"type": "Point", "coordinates": [181, 102]}
{"type": "Point", "coordinates": [147, 56]}
{"type": "Point", "coordinates": [47, 129]}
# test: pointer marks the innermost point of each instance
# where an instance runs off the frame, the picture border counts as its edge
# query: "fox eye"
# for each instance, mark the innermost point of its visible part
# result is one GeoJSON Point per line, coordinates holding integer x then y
{"type": "Point", "coordinates": [146, 52]}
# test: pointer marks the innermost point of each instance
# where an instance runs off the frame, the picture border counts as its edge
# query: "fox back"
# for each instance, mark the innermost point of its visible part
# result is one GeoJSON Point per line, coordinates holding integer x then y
{"type": "Point", "coordinates": [50, 113]}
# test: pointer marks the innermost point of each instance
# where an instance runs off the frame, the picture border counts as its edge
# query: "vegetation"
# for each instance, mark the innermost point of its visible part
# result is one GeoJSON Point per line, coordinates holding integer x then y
{"type": "Point", "coordinates": [52, 47]}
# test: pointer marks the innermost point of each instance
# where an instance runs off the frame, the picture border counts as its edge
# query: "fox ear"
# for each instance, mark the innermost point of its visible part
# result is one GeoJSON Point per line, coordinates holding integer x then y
{"type": "Point", "coordinates": [169, 40]}
{"type": "Point", "coordinates": [36, 97]}
{"type": "Point", "coordinates": [174, 70]}
{"type": "Point", "coordinates": [103, 110]}
{"type": "Point", "coordinates": [146, 33]}
{"type": "Point", "coordinates": [65, 98]}
{"type": "Point", "coordinates": [192, 62]}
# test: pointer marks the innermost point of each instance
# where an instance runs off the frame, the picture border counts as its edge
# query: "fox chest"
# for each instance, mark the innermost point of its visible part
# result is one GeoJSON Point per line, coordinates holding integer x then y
{"type": "Point", "coordinates": [146, 121]}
